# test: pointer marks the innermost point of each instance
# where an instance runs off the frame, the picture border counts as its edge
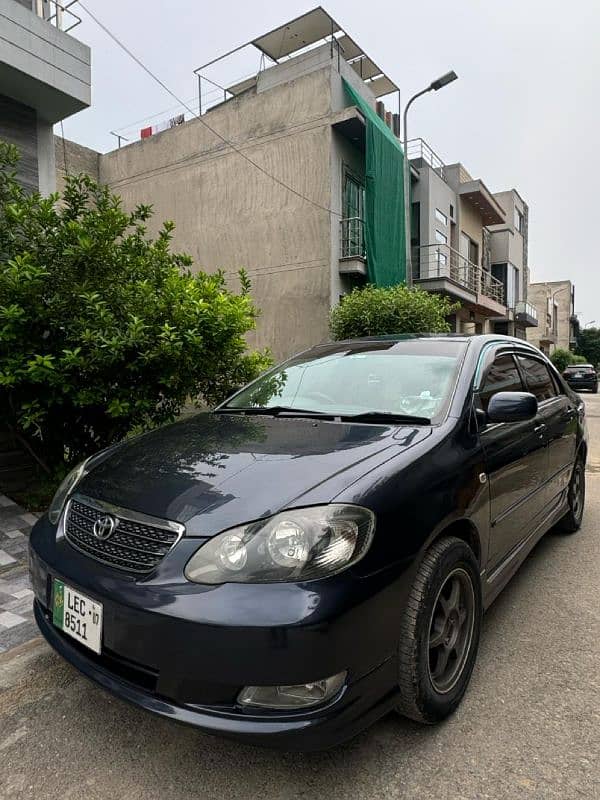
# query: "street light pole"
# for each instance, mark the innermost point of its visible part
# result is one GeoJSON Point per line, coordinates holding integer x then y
{"type": "Point", "coordinates": [444, 80]}
{"type": "Point", "coordinates": [552, 296]}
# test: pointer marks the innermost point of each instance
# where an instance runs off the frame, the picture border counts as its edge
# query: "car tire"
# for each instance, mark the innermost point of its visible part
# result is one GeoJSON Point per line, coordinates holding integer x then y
{"type": "Point", "coordinates": [595, 389]}
{"type": "Point", "coordinates": [571, 522]}
{"type": "Point", "coordinates": [446, 590]}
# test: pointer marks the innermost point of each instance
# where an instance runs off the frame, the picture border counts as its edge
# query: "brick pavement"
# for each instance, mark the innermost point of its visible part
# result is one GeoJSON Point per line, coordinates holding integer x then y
{"type": "Point", "coordinates": [16, 614]}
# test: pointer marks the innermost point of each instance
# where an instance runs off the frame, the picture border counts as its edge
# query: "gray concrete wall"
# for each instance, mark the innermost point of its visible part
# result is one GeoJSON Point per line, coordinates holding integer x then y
{"type": "Point", "coordinates": [230, 215]}
{"type": "Point", "coordinates": [18, 125]}
{"type": "Point", "coordinates": [45, 156]}
{"type": "Point", "coordinates": [78, 159]}
{"type": "Point", "coordinates": [42, 67]}
{"type": "Point", "coordinates": [508, 244]}
{"type": "Point", "coordinates": [432, 192]}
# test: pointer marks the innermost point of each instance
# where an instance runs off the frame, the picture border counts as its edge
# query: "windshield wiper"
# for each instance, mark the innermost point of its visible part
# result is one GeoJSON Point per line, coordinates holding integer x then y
{"type": "Point", "coordinates": [275, 411]}
{"type": "Point", "coordinates": [375, 417]}
{"type": "Point", "coordinates": [385, 417]}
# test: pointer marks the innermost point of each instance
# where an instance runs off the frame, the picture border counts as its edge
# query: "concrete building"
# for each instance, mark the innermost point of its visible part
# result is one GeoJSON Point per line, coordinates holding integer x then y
{"type": "Point", "coordinates": [280, 208]}
{"type": "Point", "coordinates": [558, 325]}
{"type": "Point", "coordinates": [44, 78]}
{"type": "Point", "coordinates": [272, 177]}
{"type": "Point", "coordinates": [509, 264]}
{"type": "Point", "coordinates": [466, 246]}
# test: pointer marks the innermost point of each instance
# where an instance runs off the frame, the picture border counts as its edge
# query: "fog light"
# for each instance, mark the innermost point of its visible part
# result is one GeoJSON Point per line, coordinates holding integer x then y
{"type": "Point", "coordinates": [302, 695]}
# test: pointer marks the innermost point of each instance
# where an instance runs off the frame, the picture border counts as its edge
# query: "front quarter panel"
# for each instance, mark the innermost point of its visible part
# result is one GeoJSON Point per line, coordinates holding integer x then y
{"type": "Point", "coordinates": [419, 494]}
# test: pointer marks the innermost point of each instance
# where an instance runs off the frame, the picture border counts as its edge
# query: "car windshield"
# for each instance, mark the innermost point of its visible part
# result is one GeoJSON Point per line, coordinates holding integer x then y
{"type": "Point", "coordinates": [407, 378]}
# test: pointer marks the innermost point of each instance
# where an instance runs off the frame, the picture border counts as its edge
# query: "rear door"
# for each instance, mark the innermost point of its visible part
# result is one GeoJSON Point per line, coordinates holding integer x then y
{"type": "Point", "coordinates": [558, 414]}
{"type": "Point", "coordinates": [516, 463]}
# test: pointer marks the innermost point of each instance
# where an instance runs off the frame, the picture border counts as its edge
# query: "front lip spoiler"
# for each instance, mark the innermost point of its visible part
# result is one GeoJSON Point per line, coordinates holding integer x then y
{"type": "Point", "coordinates": [315, 732]}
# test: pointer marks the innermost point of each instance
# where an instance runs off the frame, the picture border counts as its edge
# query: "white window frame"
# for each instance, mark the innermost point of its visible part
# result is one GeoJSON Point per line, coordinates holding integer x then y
{"type": "Point", "coordinates": [440, 237]}
{"type": "Point", "coordinates": [518, 220]}
{"type": "Point", "coordinates": [441, 217]}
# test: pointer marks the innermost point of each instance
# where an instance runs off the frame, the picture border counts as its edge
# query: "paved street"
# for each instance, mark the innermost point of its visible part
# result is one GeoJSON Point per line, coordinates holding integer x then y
{"type": "Point", "coordinates": [529, 726]}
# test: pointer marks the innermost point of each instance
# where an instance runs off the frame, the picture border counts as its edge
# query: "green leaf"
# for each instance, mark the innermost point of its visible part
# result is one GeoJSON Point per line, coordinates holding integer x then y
{"type": "Point", "coordinates": [104, 329]}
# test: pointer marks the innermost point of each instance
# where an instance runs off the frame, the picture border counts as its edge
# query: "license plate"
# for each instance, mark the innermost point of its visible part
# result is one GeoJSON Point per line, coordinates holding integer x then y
{"type": "Point", "coordinates": [77, 615]}
{"type": "Point", "coordinates": [578, 375]}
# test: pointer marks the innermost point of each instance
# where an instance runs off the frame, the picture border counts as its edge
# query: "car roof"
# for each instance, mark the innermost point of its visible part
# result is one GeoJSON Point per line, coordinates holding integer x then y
{"type": "Point", "coordinates": [478, 338]}
{"type": "Point", "coordinates": [579, 366]}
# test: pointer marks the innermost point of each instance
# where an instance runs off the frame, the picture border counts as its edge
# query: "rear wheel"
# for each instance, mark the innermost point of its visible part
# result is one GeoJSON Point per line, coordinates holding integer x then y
{"type": "Point", "coordinates": [439, 634]}
{"type": "Point", "coordinates": [571, 522]}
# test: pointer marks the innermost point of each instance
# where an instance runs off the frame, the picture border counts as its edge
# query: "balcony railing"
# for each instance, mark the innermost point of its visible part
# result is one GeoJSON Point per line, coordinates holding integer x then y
{"type": "Point", "coordinates": [525, 308]}
{"type": "Point", "coordinates": [57, 14]}
{"type": "Point", "coordinates": [418, 148]}
{"type": "Point", "coordinates": [352, 238]}
{"type": "Point", "coordinates": [442, 261]}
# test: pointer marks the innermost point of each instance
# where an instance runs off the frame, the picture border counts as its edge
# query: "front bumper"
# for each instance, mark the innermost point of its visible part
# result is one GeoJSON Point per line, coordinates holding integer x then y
{"type": "Point", "coordinates": [184, 651]}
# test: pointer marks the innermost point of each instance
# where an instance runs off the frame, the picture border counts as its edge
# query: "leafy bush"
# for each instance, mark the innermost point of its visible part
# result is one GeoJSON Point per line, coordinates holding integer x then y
{"type": "Point", "coordinates": [561, 359]}
{"type": "Point", "coordinates": [588, 345]}
{"type": "Point", "coordinates": [102, 328]}
{"type": "Point", "coordinates": [374, 311]}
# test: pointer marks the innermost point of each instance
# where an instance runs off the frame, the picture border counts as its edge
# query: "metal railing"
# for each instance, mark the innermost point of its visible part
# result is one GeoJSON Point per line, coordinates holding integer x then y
{"type": "Point", "coordinates": [418, 148]}
{"type": "Point", "coordinates": [523, 307]}
{"type": "Point", "coordinates": [491, 287]}
{"type": "Point", "coordinates": [57, 14]}
{"type": "Point", "coordinates": [352, 238]}
{"type": "Point", "coordinates": [442, 261]}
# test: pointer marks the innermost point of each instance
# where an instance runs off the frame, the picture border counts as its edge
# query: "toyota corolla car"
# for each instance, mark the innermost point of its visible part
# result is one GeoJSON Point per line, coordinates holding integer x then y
{"type": "Point", "coordinates": [319, 549]}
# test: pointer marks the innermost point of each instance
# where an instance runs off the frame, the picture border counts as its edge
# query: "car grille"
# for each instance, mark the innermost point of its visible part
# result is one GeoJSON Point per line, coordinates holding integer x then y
{"type": "Point", "coordinates": [133, 546]}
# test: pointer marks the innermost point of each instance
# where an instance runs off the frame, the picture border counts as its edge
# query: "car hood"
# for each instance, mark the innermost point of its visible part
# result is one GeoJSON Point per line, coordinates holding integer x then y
{"type": "Point", "coordinates": [213, 471]}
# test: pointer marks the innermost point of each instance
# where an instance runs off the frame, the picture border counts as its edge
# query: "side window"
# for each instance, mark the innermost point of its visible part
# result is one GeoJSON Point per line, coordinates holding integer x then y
{"type": "Point", "coordinates": [503, 376]}
{"type": "Point", "coordinates": [538, 378]}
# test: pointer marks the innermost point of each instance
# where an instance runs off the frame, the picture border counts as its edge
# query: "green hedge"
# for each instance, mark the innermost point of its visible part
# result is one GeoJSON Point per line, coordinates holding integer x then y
{"type": "Point", "coordinates": [374, 311]}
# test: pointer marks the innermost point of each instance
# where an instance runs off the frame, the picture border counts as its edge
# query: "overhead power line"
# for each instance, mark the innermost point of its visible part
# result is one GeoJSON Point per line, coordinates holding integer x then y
{"type": "Point", "coordinates": [216, 133]}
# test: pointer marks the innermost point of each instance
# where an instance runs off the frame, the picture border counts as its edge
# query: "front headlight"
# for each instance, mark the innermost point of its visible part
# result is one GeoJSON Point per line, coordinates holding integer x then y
{"type": "Point", "coordinates": [297, 545]}
{"type": "Point", "coordinates": [65, 489]}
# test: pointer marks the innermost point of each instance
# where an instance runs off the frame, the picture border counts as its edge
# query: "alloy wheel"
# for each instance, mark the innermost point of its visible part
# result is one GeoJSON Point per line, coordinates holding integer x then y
{"type": "Point", "coordinates": [451, 630]}
{"type": "Point", "coordinates": [576, 492]}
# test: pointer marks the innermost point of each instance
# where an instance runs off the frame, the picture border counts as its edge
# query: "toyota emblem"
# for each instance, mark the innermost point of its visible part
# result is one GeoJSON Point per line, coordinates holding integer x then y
{"type": "Point", "coordinates": [104, 527]}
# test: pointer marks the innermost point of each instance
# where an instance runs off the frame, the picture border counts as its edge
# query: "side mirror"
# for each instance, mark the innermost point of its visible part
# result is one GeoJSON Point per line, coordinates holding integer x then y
{"type": "Point", "coordinates": [512, 407]}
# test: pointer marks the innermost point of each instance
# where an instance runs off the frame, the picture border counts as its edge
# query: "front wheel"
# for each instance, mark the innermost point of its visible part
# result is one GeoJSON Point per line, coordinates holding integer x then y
{"type": "Point", "coordinates": [439, 634]}
{"type": "Point", "coordinates": [571, 522]}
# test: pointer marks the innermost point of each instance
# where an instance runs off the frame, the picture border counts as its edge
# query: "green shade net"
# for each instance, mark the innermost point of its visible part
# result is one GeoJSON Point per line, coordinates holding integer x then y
{"type": "Point", "coordinates": [384, 198]}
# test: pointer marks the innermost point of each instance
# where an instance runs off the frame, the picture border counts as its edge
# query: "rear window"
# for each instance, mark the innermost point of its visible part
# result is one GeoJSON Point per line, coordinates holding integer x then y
{"type": "Point", "coordinates": [583, 369]}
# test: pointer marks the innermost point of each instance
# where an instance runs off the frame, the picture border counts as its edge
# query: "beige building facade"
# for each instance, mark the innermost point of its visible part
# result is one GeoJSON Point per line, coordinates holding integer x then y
{"type": "Point", "coordinates": [555, 303]}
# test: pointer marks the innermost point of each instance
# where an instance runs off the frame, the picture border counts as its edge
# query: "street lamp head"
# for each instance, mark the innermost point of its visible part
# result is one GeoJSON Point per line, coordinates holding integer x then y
{"type": "Point", "coordinates": [444, 80]}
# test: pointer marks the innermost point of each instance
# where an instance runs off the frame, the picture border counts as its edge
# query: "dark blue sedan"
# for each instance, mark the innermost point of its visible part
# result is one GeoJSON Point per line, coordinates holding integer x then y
{"type": "Point", "coordinates": [318, 550]}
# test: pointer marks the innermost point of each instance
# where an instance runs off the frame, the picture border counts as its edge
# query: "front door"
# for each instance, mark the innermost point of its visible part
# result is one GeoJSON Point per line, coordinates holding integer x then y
{"type": "Point", "coordinates": [516, 462]}
{"type": "Point", "coordinates": [558, 414]}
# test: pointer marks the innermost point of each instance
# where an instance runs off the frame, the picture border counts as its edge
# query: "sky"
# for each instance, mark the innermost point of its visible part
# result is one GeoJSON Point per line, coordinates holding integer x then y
{"type": "Point", "coordinates": [524, 114]}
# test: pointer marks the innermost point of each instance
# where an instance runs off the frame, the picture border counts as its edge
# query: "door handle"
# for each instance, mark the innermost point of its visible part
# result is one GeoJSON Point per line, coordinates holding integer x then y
{"type": "Point", "coordinates": [539, 428]}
